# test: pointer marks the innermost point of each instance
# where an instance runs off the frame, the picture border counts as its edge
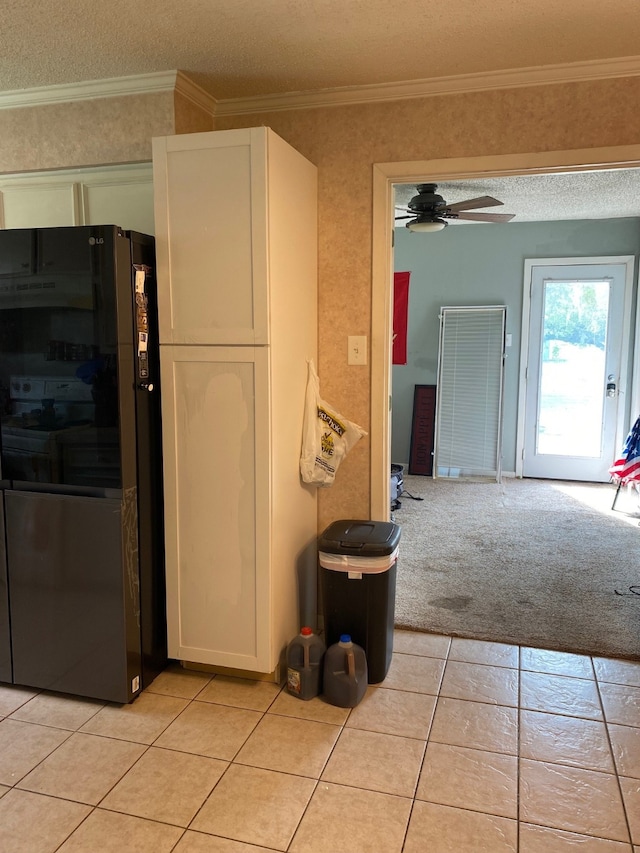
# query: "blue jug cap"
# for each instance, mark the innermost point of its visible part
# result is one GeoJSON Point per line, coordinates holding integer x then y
{"type": "Point", "coordinates": [345, 638]}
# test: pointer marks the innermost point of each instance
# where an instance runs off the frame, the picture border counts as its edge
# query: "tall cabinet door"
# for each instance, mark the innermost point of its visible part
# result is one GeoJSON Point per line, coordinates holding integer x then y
{"type": "Point", "coordinates": [211, 226]}
{"type": "Point", "coordinates": [216, 467]}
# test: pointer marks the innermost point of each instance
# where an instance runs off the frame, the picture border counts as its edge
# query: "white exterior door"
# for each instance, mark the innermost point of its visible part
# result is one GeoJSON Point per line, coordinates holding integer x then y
{"type": "Point", "coordinates": [575, 348]}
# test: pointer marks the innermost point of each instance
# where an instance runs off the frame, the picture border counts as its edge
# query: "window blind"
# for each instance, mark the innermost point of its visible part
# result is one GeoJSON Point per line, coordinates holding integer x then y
{"type": "Point", "coordinates": [469, 392]}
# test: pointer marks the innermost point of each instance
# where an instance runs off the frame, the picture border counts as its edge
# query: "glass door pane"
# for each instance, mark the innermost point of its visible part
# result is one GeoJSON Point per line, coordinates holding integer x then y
{"type": "Point", "coordinates": [572, 368]}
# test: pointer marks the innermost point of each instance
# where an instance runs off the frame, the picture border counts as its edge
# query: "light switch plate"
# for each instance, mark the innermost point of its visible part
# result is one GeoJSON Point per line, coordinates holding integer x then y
{"type": "Point", "coordinates": [357, 353]}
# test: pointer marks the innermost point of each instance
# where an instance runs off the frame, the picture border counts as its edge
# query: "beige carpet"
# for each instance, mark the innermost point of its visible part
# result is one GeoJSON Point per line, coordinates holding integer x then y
{"type": "Point", "coordinates": [533, 562]}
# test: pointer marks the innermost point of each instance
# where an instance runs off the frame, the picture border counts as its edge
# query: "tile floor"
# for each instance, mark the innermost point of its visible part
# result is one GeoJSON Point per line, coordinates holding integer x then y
{"type": "Point", "coordinates": [466, 747]}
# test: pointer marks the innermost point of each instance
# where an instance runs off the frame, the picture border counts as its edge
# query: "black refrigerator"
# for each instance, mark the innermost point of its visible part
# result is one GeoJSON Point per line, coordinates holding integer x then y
{"type": "Point", "coordinates": [82, 604]}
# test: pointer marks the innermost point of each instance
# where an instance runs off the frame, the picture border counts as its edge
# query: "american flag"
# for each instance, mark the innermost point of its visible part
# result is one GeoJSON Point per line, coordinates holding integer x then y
{"type": "Point", "coordinates": [627, 467]}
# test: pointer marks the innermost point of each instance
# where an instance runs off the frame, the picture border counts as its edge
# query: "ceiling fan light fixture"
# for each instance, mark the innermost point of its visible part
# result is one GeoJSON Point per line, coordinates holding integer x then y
{"type": "Point", "coordinates": [428, 211]}
{"type": "Point", "coordinates": [424, 225]}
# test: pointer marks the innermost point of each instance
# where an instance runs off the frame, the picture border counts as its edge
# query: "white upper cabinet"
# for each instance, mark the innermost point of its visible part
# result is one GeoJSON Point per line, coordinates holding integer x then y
{"type": "Point", "coordinates": [124, 200]}
{"type": "Point", "coordinates": [106, 195]}
{"type": "Point", "coordinates": [39, 204]}
{"type": "Point", "coordinates": [213, 261]}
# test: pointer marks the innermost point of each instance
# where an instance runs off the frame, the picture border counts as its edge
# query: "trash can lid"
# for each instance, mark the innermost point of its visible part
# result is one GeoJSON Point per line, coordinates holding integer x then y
{"type": "Point", "coordinates": [362, 538]}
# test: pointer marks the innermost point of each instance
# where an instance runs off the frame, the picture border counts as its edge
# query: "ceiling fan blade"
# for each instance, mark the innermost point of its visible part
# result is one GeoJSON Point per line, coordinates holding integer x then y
{"type": "Point", "coordinates": [485, 217]}
{"type": "Point", "coordinates": [481, 201]}
{"type": "Point", "coordinates": [410, 216]}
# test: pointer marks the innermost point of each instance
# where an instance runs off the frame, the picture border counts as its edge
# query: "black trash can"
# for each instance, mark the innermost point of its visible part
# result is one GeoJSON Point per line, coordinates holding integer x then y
{"type": "Point", "coordinates": [358, 562]}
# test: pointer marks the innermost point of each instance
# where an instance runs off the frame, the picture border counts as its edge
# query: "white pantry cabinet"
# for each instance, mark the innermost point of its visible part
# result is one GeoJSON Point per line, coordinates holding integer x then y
{"type": "Point", "coordinates": [236, 232]}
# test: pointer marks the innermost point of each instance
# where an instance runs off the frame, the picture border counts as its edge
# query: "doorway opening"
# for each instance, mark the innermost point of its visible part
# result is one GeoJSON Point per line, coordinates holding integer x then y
{"type": "Point", "coordinates": [385, 175]}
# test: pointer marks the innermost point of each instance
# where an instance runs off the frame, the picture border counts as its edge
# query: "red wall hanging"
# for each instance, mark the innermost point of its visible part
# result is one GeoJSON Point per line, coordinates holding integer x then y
{"type": "Point", "coordinates": [400, 315]}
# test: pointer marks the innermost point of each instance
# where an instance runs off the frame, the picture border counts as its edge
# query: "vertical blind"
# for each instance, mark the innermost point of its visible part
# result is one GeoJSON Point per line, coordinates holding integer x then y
{"type": "Point", "coordinates": [469, 392]}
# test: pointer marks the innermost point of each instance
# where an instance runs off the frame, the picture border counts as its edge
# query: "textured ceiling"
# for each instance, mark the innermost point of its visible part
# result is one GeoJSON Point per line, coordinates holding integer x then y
{"type": "Point", "coordinates": [247, 48]}
{"type": "Point", "coordinates": [607, 194]}
{"type": "Point", "coordinates": [242, 48]}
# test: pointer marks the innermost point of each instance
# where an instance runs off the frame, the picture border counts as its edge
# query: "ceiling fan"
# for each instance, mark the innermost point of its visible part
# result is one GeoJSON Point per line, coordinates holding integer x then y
{"type": "Point", "coordinates": [428, 211]}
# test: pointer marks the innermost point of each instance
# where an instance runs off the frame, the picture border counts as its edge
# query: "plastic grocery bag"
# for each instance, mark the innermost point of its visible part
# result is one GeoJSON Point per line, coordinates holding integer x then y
{"type": "Point", "coordinates": [327, 436]}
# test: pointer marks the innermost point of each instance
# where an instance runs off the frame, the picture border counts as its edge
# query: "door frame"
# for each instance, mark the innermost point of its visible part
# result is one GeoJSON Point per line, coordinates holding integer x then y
{"type": "Point", "coordinates": [628, 261]}
{"type": "Point", "coordinates": [384, 176]}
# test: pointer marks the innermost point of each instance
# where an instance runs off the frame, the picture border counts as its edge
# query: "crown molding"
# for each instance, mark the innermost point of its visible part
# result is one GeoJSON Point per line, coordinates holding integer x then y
{"type": "Point", "coordinates": [459, 84]}
{"type": "Point", "coordinates": [177, 81]}
{"type": "Point", "coordinates": [194, 93]}
{"type": "Point", "coordinates": [139, 84]}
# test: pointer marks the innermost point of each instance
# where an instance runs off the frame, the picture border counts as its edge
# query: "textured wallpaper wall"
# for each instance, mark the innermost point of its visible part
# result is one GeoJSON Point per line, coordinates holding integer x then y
{"type": "Point", "coordinates": [84, 133]}
{"type": "Point", "coordinates": [190, 118]}
{"type": "Point", "coordinates": [344, 142]}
